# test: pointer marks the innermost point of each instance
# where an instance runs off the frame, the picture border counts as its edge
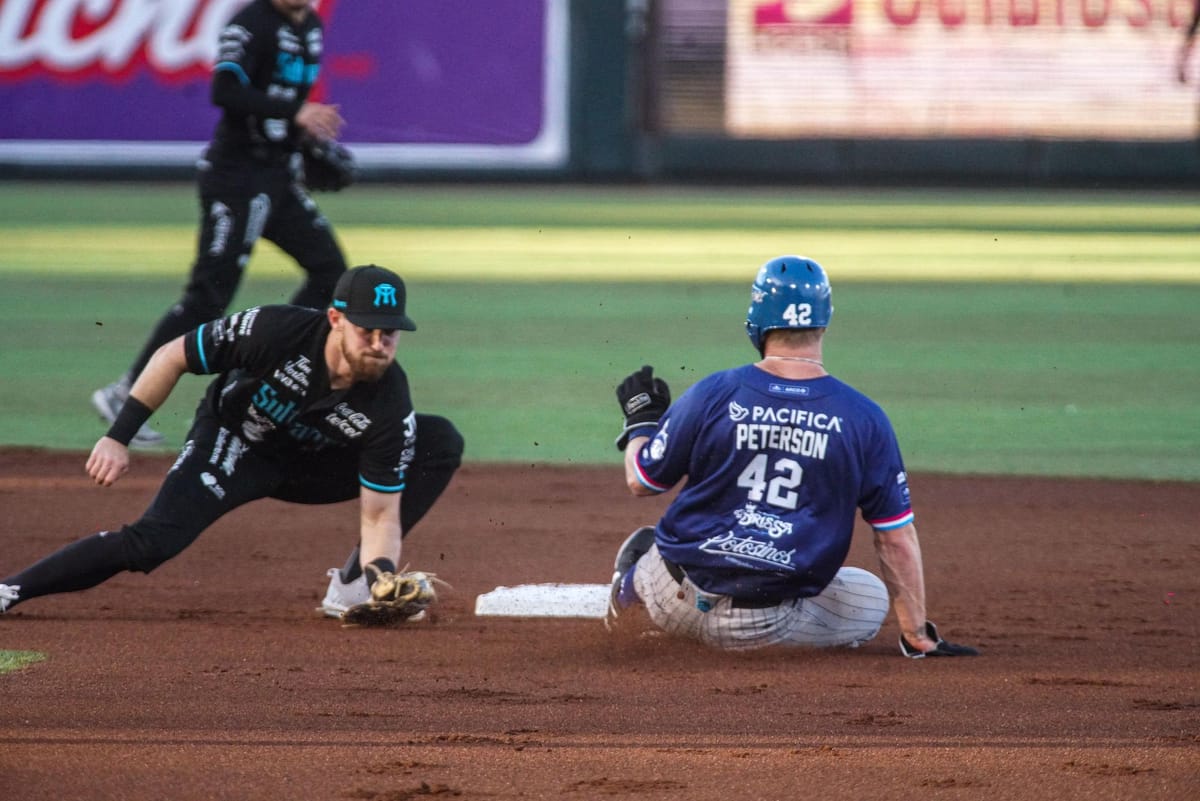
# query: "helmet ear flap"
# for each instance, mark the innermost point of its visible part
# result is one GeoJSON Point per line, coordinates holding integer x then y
{"type": "Point", "coordinates": [788, 292]}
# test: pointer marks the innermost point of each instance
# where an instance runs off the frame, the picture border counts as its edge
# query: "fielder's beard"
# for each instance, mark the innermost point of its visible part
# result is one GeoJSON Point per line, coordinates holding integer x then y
{"type": "Point", "coordinates": [365, 367]}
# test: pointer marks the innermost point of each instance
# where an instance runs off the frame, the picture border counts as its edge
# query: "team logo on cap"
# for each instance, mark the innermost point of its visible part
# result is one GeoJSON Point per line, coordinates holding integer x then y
{"type": "Point", "coordinates": [385, 295]}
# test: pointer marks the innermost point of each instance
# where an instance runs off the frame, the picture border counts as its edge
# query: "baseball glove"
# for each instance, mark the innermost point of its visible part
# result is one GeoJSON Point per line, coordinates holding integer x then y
{"type": "Point", "coordinates": [328, 166]}
{"type": "Point", "coordinates": [395, 598]}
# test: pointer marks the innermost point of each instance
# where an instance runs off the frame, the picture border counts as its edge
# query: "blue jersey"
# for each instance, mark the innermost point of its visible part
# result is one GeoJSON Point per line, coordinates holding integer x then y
{"type": "Point", "coordinates": [776, 471]}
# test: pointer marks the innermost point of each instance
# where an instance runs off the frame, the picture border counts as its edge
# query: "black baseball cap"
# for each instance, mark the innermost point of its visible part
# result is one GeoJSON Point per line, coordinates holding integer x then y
{"type": "Point", "coordinates": [372, 297]}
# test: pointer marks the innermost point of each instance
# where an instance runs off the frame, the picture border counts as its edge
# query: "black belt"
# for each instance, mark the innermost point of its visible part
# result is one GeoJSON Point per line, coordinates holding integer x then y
{"type": "Point", "coordinates": [738, 603]}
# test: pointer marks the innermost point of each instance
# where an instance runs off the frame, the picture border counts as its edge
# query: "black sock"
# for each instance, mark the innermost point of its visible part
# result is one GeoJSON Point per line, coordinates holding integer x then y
{"type": "Point", "coordinates": [377, 566]}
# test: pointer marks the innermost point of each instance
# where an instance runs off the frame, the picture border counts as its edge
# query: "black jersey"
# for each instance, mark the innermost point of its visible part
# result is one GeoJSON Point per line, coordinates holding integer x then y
{"type": "Point", "coordinates": [265, 68]}
{"type": "Point", "coordinates": [273, 391]}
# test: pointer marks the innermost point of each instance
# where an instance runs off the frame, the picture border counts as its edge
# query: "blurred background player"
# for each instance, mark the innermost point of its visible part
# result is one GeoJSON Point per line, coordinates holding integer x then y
{"type": "Point", "coordinates": [779, 456]}
{"type": "Point", "coordinates": [308, 407]}
{"type": "Point", "coordinates": [250, 177]}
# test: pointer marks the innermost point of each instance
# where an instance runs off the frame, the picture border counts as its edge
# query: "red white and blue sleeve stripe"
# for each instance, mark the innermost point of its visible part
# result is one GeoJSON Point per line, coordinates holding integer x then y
{"type": "Point", "coordinates": [645, 480]}
{"type": "Point", "coordinates": [893, 522]}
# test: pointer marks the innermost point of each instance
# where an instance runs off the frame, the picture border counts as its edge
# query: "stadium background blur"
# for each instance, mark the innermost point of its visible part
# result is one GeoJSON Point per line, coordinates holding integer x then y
{"type": "Point", "coordinates": [831, 91]}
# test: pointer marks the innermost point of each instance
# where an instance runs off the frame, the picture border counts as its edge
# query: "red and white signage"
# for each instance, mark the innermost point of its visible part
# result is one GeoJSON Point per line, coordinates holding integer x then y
{"type": "Point", "coordinates": [1078, 69]}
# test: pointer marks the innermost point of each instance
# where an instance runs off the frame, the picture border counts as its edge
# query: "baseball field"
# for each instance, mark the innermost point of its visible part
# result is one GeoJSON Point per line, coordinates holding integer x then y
{"type": "Point", "coordinates": [1036, 351]}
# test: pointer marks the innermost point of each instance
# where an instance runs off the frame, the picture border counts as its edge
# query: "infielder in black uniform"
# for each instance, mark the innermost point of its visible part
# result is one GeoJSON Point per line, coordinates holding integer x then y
{"type": "Point", "coordinates": [308, 406]}
{"type": "Point", "coordinates": [250, 177]}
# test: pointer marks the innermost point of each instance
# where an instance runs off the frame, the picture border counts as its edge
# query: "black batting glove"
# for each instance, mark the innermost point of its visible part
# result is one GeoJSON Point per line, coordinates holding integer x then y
{"type": "Point", "coordinates": [644, 400]}
{"type": "Point", "coordinates": [943, 648]}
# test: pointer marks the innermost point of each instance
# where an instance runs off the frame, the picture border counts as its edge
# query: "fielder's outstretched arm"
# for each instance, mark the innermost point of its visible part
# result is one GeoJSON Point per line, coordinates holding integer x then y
{"type": "Point", "coordinates": [109, 459]}
{"type": "Point", "coordinates": [162, 373]}
{"type": "Point", "coordinates": [379, 515]}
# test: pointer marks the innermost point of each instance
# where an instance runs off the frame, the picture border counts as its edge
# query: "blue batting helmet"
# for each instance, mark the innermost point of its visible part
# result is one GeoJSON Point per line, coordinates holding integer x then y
{"type": "Point", "coordinates": [788, 292]}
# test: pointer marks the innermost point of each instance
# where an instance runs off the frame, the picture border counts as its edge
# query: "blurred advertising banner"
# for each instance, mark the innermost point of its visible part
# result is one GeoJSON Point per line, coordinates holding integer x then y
{"type": "Point", "coordinates": [421, 83]}
{"type": "Point", "coordinates": [1077, 69]}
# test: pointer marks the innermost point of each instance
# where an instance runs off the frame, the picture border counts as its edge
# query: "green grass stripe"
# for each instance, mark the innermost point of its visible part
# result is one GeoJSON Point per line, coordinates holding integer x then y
{"type": "Point", "coordinates": [25, 204]}
{"type": "Point", "coordinates": [590, 254]}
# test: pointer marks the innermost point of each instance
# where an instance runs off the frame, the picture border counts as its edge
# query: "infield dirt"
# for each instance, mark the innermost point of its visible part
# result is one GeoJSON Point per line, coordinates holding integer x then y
{"type": "Point", "coordinates": [214, 678]}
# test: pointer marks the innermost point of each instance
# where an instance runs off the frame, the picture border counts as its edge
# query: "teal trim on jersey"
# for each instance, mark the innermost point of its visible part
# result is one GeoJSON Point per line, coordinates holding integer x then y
{"type": "Point", "coordinates": [236, 69]}
{"type": "Point", "coordinates": [380, 487]}
{"type": "Point", "coordinates": [200, 347]}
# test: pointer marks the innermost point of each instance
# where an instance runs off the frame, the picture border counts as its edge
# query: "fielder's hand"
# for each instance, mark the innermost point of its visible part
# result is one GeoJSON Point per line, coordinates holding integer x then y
{"type": "Point", "coordinates": [395, 598]}
{"type": "Point", "coordinates": [644, 400]}
{"type": "Point", "coordinates": [108, 461]}
{"type": "Point", "coordinates": [320, 120]}
{"type": "Point", "coordinates": [943, 648]}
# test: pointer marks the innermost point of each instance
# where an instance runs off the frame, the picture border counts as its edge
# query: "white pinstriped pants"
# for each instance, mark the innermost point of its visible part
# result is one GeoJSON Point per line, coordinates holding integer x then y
{"type": "Point", "coordinates": [848, 612]}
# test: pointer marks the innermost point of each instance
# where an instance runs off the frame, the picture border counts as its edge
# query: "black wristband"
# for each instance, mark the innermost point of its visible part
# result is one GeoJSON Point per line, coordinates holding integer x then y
{"type": "Point", "coordinates": [132, 416]}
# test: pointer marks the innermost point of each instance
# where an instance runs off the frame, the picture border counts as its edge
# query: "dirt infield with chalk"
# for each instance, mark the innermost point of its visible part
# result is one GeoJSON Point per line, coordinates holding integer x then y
{"type": "Point", "coordinates": [214, 678]}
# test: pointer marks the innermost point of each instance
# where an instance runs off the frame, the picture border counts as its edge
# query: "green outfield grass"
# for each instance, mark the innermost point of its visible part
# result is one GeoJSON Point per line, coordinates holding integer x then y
{"type": "Point", "coordinates": [1014, 332]}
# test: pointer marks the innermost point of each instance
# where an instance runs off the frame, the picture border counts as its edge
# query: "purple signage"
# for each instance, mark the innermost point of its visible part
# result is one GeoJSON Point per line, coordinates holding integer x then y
{"type": "Point", "coordinates": [420, 82]}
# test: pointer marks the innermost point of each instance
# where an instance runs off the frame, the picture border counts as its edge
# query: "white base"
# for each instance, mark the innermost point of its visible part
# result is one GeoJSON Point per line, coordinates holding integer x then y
{"type": "Point", "coordinates": [545, 600]}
